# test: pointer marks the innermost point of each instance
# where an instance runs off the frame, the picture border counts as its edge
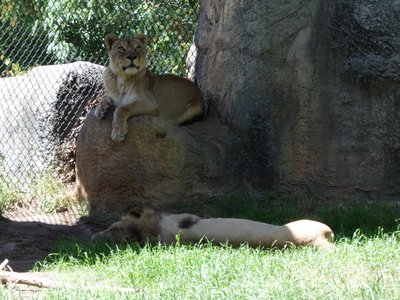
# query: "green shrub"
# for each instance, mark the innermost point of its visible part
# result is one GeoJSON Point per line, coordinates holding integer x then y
{"type": "Point", "coordinates": [47, 32]}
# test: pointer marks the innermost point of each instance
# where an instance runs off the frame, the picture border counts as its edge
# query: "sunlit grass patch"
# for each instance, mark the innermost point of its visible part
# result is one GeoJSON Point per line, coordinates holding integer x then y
{"type": "Point", "coordinates": [364, 264]}
{"type": "Point", "coordinates": [44, 194]}
{"type": "Point", "coordinates": [359, 267]}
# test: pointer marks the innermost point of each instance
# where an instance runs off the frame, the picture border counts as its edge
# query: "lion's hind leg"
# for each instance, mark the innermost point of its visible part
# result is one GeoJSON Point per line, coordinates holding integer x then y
{"type": "Point", "coordinates": [102, 107]}
{"type": "Point", "coordinates": [193, 111]}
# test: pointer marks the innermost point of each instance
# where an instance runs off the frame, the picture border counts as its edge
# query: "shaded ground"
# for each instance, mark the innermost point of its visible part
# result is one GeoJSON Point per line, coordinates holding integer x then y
{"type": "Point", "coordinates": [26, 238]}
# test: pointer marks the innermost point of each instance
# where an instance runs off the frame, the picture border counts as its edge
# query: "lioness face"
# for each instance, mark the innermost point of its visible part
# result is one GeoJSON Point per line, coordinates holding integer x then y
{"type": "Point", "coordinates": [137, 226]}
{"type": "Point", "coordinates": [116, 233]}
{"type": "Point", "coordinates": [126, 229]}
{"type": "Point", "coordinates": [127, 56]}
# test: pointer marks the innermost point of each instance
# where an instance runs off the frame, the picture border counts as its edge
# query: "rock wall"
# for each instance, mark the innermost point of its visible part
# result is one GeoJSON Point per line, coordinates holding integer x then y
{"type": "Point", "coordinates": [314, 87]}
{"type": "Point", "coordinates": [158, 164]}
{"type": "Point", "coordinates": [38, 111]}
{"type": "Point", "coordinates": [303, 96]}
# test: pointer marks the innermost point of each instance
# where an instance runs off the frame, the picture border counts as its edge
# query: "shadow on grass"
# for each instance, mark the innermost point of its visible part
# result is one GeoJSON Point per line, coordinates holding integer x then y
{"type": "Point", "coordinates": [80, 252]}
{"type": "Point", "coordinates": [24, 243]}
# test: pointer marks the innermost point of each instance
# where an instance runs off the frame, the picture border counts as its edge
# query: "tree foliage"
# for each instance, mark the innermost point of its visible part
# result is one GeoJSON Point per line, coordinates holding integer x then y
{"type": "Point", "coordinates": [58, 31]}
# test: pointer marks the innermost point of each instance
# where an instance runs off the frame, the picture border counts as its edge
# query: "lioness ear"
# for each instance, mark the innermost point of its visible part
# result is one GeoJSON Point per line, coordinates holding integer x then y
{"type": "Point", "coordinates": [109, 40]}
{"type": "Point", "coordinates": [142, 38]}
{"type": "Point", "coordinates": [136, 212]}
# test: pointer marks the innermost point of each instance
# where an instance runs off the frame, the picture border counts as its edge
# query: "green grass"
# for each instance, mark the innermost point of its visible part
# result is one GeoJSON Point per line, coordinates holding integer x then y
{"type": "Point", "coordinates": [361, 268]}
{"type": "Point", "coordinates": [9, 196]}
{"type": "Point", "coordinates": [43, 194]}
{"type": "Point", "coordinates": [364, 265]}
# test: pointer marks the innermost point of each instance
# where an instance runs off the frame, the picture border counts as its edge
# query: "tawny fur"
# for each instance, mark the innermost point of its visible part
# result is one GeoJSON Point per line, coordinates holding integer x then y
{"type": "Point", "coordinates": [149, 225]}
{"type": "Point", "coordinates": [134, 90]}
{"type": "Point", "coordinates": [240, 231]}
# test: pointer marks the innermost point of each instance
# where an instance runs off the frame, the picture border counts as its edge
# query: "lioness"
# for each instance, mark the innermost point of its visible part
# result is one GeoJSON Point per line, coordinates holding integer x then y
{"type": "Point", "coordinates": [149, 225]}
{"type": "Point", "coordinates": [131, 87]}
{"type": "Point", "coordinates": [146, 225]}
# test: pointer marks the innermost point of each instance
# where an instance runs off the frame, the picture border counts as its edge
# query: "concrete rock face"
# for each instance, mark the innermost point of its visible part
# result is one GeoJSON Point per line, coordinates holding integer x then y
{"type": "Point", "coordinates": [39, 110]}
{"type": "Point", "coordinates": [308, 95]}
{"type": "Point", "coordinates": [314, 86]}
{"type": "Point", "coordinates": [158, 164]}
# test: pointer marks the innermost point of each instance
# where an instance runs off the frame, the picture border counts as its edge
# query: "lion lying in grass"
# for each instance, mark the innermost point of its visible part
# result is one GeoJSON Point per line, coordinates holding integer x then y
{"type": "Point", "coordinates": [149, 225]}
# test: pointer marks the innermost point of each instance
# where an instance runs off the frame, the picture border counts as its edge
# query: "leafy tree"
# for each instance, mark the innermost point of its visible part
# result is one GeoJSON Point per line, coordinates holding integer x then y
{"type": "Point", "coordinates": [23, 37]}
{"type": "Point", "coordinates": [59, 31]}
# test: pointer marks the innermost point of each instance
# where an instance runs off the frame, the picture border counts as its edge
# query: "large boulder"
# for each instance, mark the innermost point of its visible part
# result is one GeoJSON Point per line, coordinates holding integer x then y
{"type": "Point", "coordinates": [158, 164]}
{"type": "Point", "coordinates": [314, 85]}
{"type": "Point", "coordinates": [308, 95]}
{"type": "Point", "coordinates": [39, 110]}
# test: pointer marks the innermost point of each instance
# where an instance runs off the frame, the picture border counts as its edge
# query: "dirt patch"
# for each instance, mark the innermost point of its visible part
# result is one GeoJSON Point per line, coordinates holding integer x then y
{"type": "Point", "coordinates": [26, 238]}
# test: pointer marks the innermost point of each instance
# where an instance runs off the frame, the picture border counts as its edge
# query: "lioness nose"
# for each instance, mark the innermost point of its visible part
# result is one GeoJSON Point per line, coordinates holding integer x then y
{"type": "Point", "coordinates": [131, 57]}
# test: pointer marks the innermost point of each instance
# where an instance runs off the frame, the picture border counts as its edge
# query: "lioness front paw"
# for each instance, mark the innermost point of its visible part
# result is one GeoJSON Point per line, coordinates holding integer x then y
{"type": "Point", "coordinates": [102, 107]}
{"type": "Point", "coordinates": [118, 133]}
{"type": "Point", "coordinates": [100, 112]}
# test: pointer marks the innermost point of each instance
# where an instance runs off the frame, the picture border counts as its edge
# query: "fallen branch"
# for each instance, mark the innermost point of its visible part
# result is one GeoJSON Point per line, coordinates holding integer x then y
{"type": "Point", "coordinates": [26, 279]}
{"type": "Point", "coordinates": [7, 277]}
{"type": "Point", "coordinates": [4, 264]}
{"type": "Point", "coordinates": [22, 278]}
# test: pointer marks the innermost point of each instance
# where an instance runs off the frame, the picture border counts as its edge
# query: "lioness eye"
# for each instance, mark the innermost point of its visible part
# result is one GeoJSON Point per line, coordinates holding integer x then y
{"type": "Point", "coordinates": [138, 48]}
{"type": "Point", "coordinates": [121, 49]}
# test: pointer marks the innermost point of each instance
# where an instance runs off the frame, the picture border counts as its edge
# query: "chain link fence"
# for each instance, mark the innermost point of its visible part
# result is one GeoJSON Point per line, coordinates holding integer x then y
{"type": "Point", "coordinates": [51, 60]}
